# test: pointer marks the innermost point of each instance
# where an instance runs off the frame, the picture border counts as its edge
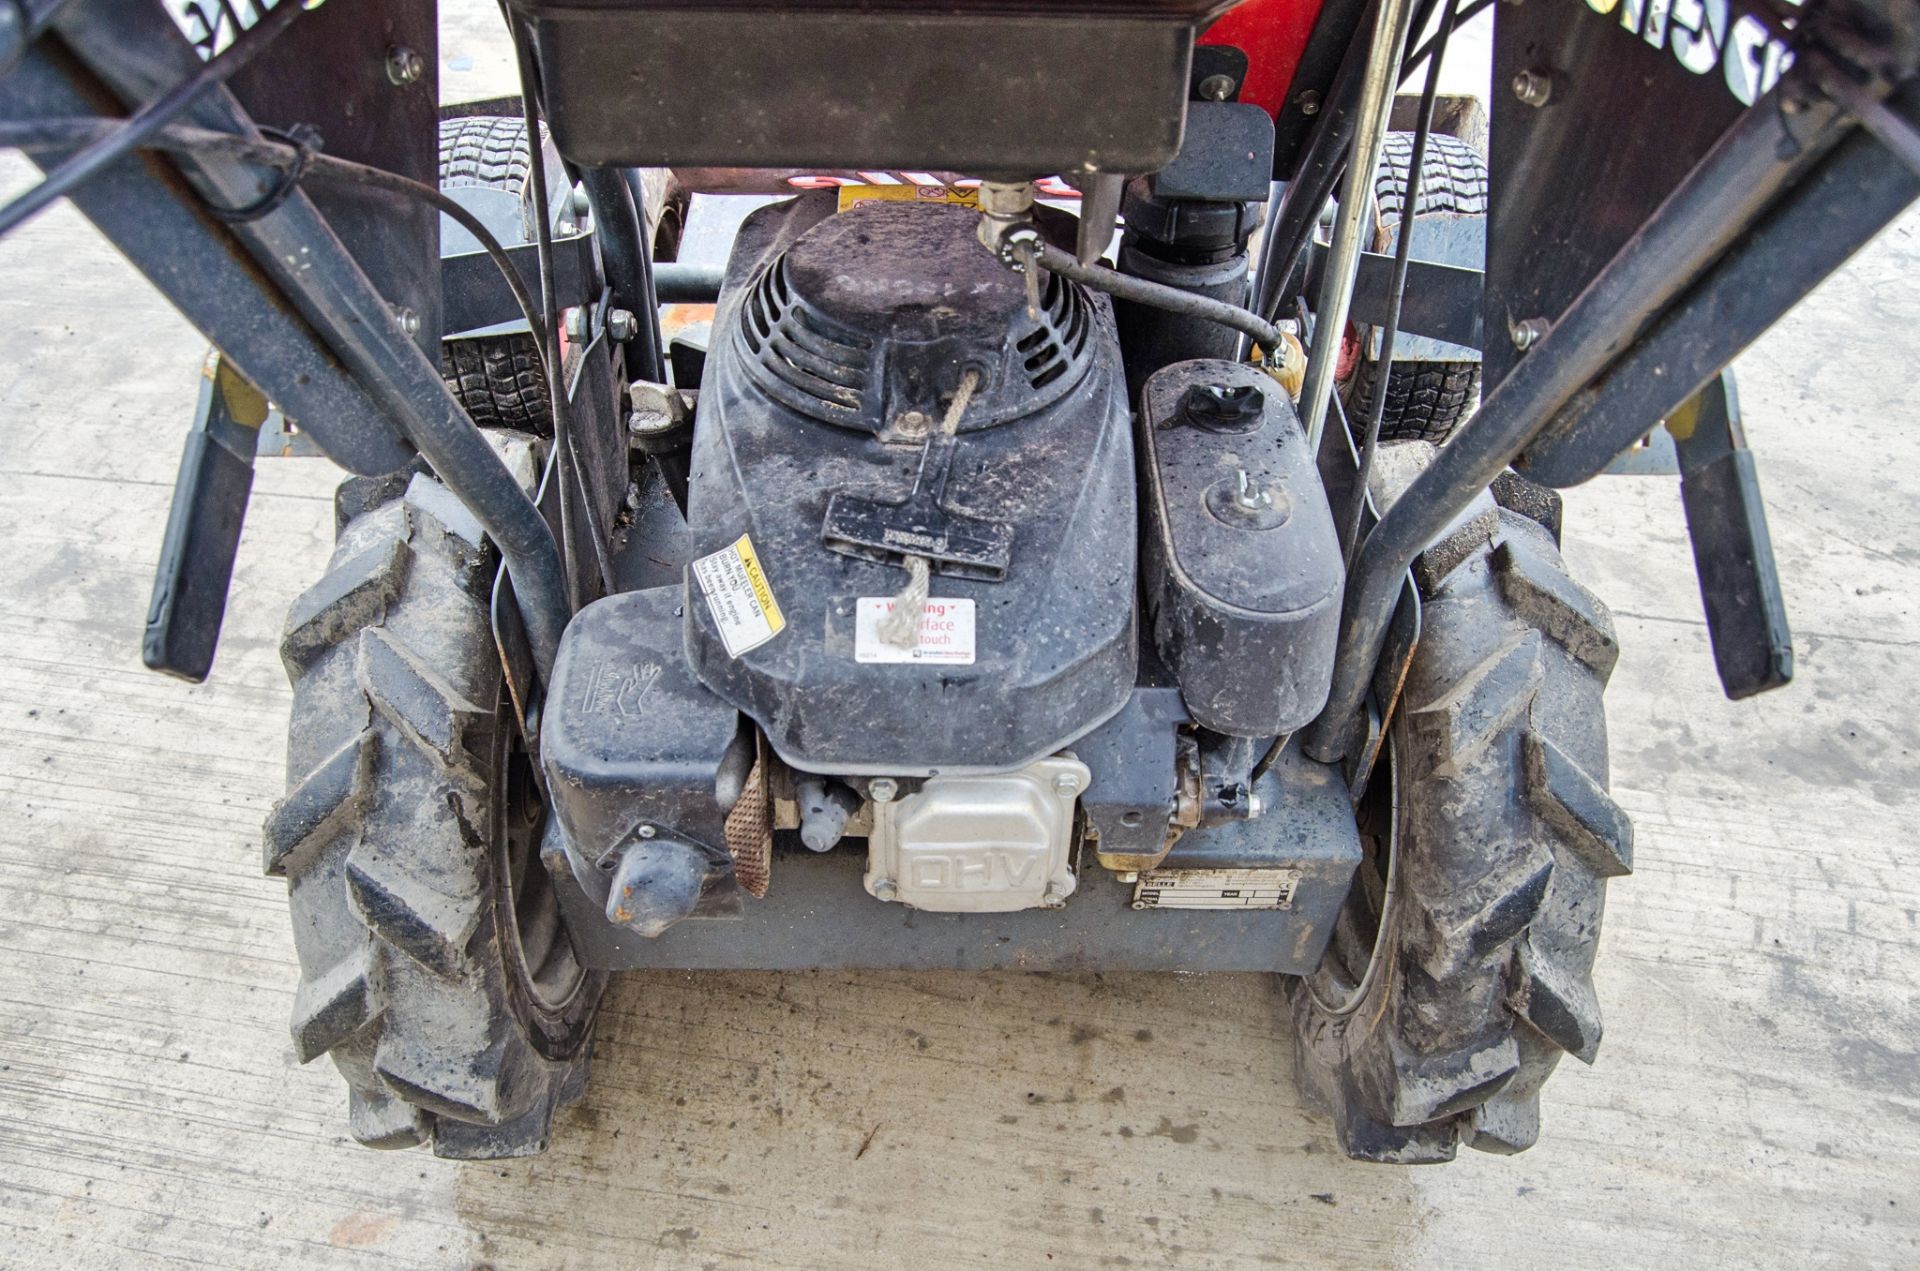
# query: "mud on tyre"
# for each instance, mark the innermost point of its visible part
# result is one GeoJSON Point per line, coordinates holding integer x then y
{"type": "Point", "coordinates": [433, 965]}
{"type": "Point", "coordinates": [1494, 798]}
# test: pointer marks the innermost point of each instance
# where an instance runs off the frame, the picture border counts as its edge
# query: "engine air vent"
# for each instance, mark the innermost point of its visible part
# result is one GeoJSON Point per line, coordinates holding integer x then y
{"type": "Point", "coordinates": [878, 311]}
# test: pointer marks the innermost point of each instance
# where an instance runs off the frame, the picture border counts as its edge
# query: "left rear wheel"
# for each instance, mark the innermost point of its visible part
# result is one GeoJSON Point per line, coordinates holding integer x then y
{"type": "Point", "coordinates": [435, 965]}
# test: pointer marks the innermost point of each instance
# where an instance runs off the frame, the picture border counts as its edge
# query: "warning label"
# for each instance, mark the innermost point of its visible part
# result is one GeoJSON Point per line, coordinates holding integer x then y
{"type": "Point", "coordinates": [945, 635]}
{"type": "Point", "coordinates": [1216, 889]}
{"type": "Point", "coordinates": [923, 192]}
{"type": "Point", "coordinates": [738, 597]}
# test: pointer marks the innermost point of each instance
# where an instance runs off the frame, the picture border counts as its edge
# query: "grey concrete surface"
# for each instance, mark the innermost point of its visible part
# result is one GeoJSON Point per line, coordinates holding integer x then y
{"type": "Point", "coordinates": [1756, 1101]}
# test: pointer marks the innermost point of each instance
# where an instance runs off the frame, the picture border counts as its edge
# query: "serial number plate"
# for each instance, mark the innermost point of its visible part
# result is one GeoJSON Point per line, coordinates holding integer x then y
{"type": "Point", "coordinates": [1216, 889]}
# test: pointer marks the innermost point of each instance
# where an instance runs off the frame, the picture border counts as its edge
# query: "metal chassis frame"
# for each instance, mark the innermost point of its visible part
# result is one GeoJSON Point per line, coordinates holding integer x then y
{"type": "Point", "coordinates": [1788, 193]}
{"type": "Point", "coordinates": [1791, 190]}
{"type": "Point", "coordinates": [280, 294]}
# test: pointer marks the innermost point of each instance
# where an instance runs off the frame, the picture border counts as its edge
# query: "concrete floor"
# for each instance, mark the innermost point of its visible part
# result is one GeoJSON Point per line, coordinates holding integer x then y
{"type": "Point", "coordinates": [1756, 1102]}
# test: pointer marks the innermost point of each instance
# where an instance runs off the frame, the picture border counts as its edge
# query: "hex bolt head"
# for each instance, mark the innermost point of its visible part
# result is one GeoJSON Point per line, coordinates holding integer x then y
{"type": "Point", "coordinates": [1053, 900]}
{"type": "Point", "coordinates": [1309, 103]}
{"type": "Point", "coordinates": [576, 324]}
{"type": "Point", "coordinates": [404, 66]}
{"type": "Point", "coordinates": [622, 325]}
{"type": "Point", "coordinates": [1533, 87]}
{"type": "Point", "coordinates": [646, 831]}
{"type": "Point", "coordinates": [1066, 784]}
{"type": "Point", "coordinates": [1217, 88]}
{"type": "Point", "coordinates": [882, 790]}
{"type": "Point", "coordinates": [1527, 332]}
{"type": "Point", "coordinates": [886, 889]}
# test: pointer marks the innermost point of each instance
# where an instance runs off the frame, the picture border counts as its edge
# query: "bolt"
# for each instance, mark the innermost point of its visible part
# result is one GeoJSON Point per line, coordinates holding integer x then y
{"type": "Point", "coordinates": [882, 790]}
{"type": "Point", "coordinates": [408, 319]}
{"type": "Point", "coordinates": [1053, 899]}
{"type": "Point", "coordinates": [1217, 88]}
{"type": "Point", "coordinates": [622, 325]}
{"type": "Point", "coordinates": [576, 325]}
{"type": "Point", "coordinates": [404, 66]}
{"type": "Point", "coordinates": [1309, 103]}
{"type": "Point", "coordinates": [885, 889]}
{"type": "Point", "coordinates": [1067, 784]}
{"type": "Point", "coordinates": [647, 831]}
{"type": "Point", "coordinates": [1248, 495]}
{"type": "Point", "coordinates": [1527, 333]}
{"type": "Point", "coordinates": [1533, 87]}
{"type": "Point", "coordinates": [565, 229]}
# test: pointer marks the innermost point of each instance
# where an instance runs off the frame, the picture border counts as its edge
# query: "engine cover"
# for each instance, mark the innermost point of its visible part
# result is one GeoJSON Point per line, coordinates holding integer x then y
{"type": "Point", "coordinates": [839, 341]}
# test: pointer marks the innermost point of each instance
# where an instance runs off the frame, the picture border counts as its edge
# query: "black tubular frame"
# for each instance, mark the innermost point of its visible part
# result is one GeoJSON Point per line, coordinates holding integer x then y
{"type": "Point", "coordinates": [332, 325]}
{"type": "Point", "coordinates": [1727, 253]}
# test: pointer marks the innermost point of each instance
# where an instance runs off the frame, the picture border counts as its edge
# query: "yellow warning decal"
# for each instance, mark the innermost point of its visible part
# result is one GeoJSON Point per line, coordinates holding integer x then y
{"type": "Point", "coordinates": [854, 194]}
{"type": "Point", "coordinates": [739, 597]}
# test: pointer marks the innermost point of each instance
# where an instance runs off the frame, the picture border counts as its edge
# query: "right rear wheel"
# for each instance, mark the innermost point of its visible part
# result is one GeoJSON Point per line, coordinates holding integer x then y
{"type": "Point", "coordinates": [1460, 970]}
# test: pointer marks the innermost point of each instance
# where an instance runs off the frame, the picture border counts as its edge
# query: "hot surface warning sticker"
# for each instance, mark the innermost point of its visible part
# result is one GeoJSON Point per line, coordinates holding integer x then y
{"type": "Point", "coordinates": [945, 634]}
{"type": "Point", "coordinates": [1216, 889]}
{"type": "Point", "coordinates": [738, 597]}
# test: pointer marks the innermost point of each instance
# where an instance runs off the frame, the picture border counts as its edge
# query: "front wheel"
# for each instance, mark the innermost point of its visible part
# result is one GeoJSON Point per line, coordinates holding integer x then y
{"type": "Point", "coordinates": [1461, 967]}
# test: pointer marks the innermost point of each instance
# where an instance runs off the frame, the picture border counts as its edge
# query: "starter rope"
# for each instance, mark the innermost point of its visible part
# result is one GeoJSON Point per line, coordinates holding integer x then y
{"type": "Point", "coordinates": [901, 627]}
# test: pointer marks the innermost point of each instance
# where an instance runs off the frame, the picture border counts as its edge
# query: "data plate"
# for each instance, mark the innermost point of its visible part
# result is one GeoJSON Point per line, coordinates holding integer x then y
{"type": "Point", "coordinates": [1216, 889]}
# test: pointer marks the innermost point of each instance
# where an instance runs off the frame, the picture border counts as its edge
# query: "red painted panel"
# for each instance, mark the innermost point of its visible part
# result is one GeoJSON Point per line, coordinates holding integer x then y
{"type": "Point", "coordinates": [1273, 34]}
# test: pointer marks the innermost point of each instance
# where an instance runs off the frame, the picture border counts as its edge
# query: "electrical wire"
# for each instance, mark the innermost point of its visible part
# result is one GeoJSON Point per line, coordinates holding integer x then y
{"type": "Point", "coordinates": [1449, 20]}
{"type": "Point", "coordinates": [1158, 295]}
{"type": "Point", "coordinates": [64, 134]}
{"type": "Point", "coordinates": [149, 119]}
{"type": "Point", "coordinates": [1460, 19]}
{"type": "Point", "coordinates": [1397, 293]}
{"type": "Point", "coordinates": [572, 471]}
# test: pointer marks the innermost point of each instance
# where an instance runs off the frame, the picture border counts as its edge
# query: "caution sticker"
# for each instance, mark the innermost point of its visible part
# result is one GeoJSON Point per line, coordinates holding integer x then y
{"type": "Point", "coordinates": [851, 195]}
{"type": "Point", "coordinates": [945, 635]}
{"type": "Point", "coordinates": [1216, 889]}
{"type": "Point", "coordinates": [738, 597]}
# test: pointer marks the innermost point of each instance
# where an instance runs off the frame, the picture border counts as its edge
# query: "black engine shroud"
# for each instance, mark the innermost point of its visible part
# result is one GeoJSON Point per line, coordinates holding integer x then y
{"type": "Point", "coordinates": [840, 339]}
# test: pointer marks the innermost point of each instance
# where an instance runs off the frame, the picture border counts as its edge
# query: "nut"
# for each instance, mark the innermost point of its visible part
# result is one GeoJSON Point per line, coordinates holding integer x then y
{"type": "Point", "coordinates": [1053, 900]}
{"type": "Point", "coordinates": [1533, 87]}
{"type": "Point", "coordinates": [647, 831]}
{"type": "Point", "coordinates": [622, 325]}
{"type": "Point", "coordinates": [883, 790]}
{"type": "Point", "coordinates": [404, 66]}
{"type": "Point", "coordinates": [1217, 88]}
{"type": "Point", "coordinates": [408, 319]}
{"type": "Point", "coordinates": [576, 323]}
{"type": "Point", "coordinates": [885, 889]}
{"type": "Point", "coordinates": [1309, 103]}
